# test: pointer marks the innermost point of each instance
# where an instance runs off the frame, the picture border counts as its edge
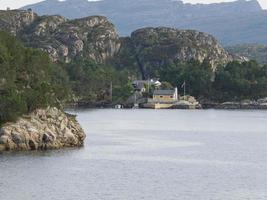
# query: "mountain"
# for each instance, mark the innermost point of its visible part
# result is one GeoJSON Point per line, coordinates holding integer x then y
{"type": "Point", "coordinates": [96, 38]}
{"type": "Point", "coordinates": [89, 55]}
{"type": "Point", "coordinates": [251, 51]}
{"type": "Point", "coordinates": [152, 49]}
{"type": "Point", "coordinates": [91, 37]}
{"type": "Point", "coordinates": [236, 22]}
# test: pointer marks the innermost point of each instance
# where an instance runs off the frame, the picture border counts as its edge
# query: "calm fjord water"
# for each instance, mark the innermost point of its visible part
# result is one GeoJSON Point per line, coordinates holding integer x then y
{"type": "Point", "coordinates": [151, 155]}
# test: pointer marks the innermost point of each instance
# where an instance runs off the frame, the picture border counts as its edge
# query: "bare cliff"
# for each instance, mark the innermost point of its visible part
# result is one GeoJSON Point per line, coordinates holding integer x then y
{"type": "Point", "coordinates": [90, 37]}
{"type": "Point", "coordinates": [178, 44]}
{"type": "Point", "coordinates": [154, 48]}
{"type": "Point", "coordinates": [231, 22]}
{"type": "Point", "coordinates": [15, 21]}
{"type": "Point", "coordinates": [95, 37]}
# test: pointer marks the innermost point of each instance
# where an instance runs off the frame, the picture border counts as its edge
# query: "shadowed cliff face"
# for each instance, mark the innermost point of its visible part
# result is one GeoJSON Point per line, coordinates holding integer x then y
{"type": "Point", "coordinates": [91, 37]}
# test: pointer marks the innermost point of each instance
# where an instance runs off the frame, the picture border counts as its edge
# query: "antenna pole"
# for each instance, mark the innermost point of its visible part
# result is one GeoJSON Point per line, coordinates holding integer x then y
{"type": "Point", "coordinates": [111, 91]}
{"type": "Point", "coordinates": [184, 89]}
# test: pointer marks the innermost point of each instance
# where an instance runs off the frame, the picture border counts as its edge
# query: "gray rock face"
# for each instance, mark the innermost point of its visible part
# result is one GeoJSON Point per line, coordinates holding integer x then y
{"type": "Point", "coordinates": [91, 37]}
{"type": "Point", "coordinates": [235, 22]}
{"type": "Point", "coordinates": [250, 51]}
{"type": "Point", "coordinates": [15, 21]}
{"type": "Point", "coordinates": [260, 104]}
{"type": "Point", "coordinates": [96, 38]}
{"type": "Point", "coordinates": [175, 44]}
{"type": "Point", "coordinates": [41, 130]}
{"type": "Point", "coordinates": [154, 48]}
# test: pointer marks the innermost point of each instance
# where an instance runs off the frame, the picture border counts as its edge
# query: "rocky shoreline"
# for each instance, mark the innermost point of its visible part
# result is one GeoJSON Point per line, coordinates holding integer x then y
{"type": "Point", "coordinates": [241, 105]}
{"type": "Point", "coordinates": [42, 129]}
{"type": "Point", "coordinates": [260, 104]}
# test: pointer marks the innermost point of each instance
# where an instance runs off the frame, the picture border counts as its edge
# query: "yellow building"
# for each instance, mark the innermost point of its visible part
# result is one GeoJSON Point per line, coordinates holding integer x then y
{"type": "Point", "coordinates": [165, 95]}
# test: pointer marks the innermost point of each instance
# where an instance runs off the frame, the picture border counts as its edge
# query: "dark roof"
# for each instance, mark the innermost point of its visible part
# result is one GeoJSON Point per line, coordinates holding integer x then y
{"type": "Point", "coordinates": [164, 92]}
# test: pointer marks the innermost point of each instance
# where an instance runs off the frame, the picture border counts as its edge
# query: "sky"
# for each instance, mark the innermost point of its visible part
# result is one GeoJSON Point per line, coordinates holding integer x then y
{"type": "Point", "coordinates": [19, 3]}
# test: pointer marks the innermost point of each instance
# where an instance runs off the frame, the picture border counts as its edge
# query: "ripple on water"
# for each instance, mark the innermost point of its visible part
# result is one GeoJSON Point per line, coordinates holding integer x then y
{"type": "Point", "coordinates": [147, 154]}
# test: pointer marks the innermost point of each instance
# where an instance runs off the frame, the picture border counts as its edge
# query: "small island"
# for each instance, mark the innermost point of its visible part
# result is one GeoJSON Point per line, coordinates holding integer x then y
{"type": "Point", "coordinates": [42, 129]}
{"type": "Point", "coordinates": [32, 101]}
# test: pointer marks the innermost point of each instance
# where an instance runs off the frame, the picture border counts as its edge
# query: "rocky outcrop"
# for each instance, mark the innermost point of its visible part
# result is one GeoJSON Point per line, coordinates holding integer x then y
{"type": "Point", "coordinates": [64, 40]}
{"type": "Point", "coordinates": [177, 45]}
{"type": "Point", "coordinates": [148, 50]}
{"type": "Point", "coordinates": [187, 102]}
{"type": "Point", "coordinates": [41, 130]}
{"type": "Point", "coordinates": [96, 38]}
{"type": "Point", "coordinates": [260, 104]}
{"type": "Point", "coordinates": [92, 37]}
{"type": "Point", "coordinates": [154, 48]}
{"type": "Point", "coordinates": [232, 22]}
{"type": "Point", "coordinates": [14, 21]}
{"type": "Point", "coordinates": [251, 51]}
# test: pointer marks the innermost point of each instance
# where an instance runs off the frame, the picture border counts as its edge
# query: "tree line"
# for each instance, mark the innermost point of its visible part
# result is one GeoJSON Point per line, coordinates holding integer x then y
{"type": "Point", "coordinates": [29, 80]}
{"type": "Point", "coordinates": [234, 82]}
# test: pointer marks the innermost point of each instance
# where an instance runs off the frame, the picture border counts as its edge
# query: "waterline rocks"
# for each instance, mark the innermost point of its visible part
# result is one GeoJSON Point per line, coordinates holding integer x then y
{"type": "Point", "coordinates": [43, 129]}
{"type": "Point", "coordinates": [260, 104]}
{"type": "Point", "coordinates": [254, 105]}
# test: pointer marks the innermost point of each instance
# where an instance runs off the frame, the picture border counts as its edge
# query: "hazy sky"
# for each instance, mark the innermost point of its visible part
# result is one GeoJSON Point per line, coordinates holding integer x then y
{"type": "Point", "coordinates": [18, 3]}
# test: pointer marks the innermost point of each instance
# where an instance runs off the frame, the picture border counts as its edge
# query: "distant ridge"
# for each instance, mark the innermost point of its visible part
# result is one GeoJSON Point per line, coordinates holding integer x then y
{"type": "Point", "coordinates": [232, 23]}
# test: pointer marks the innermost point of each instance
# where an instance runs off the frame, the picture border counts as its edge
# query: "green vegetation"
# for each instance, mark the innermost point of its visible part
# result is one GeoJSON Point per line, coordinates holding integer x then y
{"type": "Point", "coordinates": [233, 82]}
{"type": "Point", "coordinates": [28, 80]}
{"type": "Point", "coordinates": [198, 77]}
{"type": "Point", "coordinates": [92, 82]}
{"type": "Point", "coordinates": [239, 81]}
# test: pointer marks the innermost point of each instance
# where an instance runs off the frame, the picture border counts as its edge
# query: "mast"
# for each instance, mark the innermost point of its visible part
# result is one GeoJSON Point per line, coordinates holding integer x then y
{"type": "Point", "coordinates": [183, 86]}
{"type": "Point", "coordinates": [184, 89]}
{"type": "Point", "coordinates": [111, 91]}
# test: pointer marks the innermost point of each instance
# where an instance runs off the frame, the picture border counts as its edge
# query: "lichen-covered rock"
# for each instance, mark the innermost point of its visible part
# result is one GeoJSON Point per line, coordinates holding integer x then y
{"type": "Point", "coordinates": [183, 45]}
{"type": "Point", "coordinates": [14, 21]}
{"type": "Point", "coordinates": [156, 47]}
{"type": "Point", "coordinates": [91, 37]}
{"type": "Point", "coordinates": [43, 129]}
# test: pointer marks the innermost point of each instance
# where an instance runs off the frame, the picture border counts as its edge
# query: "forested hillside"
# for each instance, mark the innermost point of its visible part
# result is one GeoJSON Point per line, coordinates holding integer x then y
{"type": "Point", "coordinates": [28, 79]}
{"type": "Point", "coordinates": [84, 61]}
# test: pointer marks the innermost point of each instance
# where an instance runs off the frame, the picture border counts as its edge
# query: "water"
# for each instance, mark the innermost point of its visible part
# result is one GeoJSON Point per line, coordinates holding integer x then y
{"type": "Point", "coordinates": [151, 155]}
